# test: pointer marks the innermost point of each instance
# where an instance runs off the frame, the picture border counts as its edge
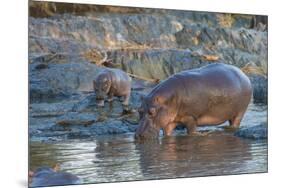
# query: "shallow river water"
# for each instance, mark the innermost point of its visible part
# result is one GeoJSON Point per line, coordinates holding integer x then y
{"type": "Point", "coordinates": [115, 158]}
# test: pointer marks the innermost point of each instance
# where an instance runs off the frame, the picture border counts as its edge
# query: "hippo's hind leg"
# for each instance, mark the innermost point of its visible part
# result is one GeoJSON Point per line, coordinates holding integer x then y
{"type": "Point", "coordinates": [126, 100]}
{"type": "Point", "coordinates": [234, 123]}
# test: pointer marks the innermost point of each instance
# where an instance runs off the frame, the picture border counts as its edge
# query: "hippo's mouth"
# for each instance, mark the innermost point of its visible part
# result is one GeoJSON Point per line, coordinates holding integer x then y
{"type": "Point", "coordinates": [146, 133]}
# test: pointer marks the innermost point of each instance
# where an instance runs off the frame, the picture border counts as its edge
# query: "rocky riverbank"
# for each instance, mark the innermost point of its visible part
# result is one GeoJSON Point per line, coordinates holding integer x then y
{"type": "Point", "coordinates": [65, 45]}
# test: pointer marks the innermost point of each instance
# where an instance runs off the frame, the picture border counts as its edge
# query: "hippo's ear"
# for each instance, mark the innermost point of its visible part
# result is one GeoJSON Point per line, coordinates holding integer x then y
{"type": "Point", "coordinates": [152, 111]}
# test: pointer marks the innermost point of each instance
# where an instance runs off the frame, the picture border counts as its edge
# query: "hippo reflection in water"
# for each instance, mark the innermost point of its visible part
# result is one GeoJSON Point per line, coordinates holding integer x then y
{"type": "Point", "coordinates": [181, 156]}
{"type": "Point", "coordinates": [209, 95]}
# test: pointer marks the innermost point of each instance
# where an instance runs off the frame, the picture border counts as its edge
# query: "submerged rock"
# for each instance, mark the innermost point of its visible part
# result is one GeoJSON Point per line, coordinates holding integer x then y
{"type": "Point", "coordinates": [254, 132]}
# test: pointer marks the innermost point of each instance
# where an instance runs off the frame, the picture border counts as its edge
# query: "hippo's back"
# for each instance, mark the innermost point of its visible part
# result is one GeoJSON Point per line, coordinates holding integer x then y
{"type": "Point", "coordinates": [216, 77]}
{"type": "Point", "coordinates": [216, 91]}
{"type": "Point", "coordinates": [119, 75]}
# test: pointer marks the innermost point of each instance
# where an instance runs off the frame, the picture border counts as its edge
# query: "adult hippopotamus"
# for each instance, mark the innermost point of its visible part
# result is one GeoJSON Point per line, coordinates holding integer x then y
{"type": "Point", "coordinates": [112, 82]}
{"type": "Point", "coordinates": [209, 95]}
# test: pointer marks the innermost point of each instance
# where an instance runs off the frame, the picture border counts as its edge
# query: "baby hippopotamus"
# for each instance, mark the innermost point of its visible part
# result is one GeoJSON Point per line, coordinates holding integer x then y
{"type": "Point", "coordinates": [45, 176]}
{"type": "Point", "coordinates": [112, 82]}
{"type": "Point", "coordinates": [209, 95]}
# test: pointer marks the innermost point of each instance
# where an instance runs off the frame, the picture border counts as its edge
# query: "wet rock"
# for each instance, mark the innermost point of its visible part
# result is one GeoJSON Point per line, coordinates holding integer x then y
{"type": "Point", "coordinates": [156, 63]}
{"type": "Point", "coordinates": [50, 109]}
{"type": "Point", "coordinates": [89, 102]}
{"type": "Point", "coordinates": [149, 45]}
{"type": "Point", "coordinates": [235, 46]}
{"type": "Point", "coordinates": [135, 99]}
{"type": "Point", "coordinates": [75, 118]}
{"type": "Point", "coordinates": [75, 125]}
{"type": "Point", "coordinates": [60, 80]}
{"type": "Point", "coordinates": [40, 90]}
{"type": "Point", "coordinates": [260, 86]}
{"type": "Point", "coordinates": [102, 128]}
{"type": "Point", "coordinates": [254, 132]}
{"type": "Point", "coordinates": [41, 66]}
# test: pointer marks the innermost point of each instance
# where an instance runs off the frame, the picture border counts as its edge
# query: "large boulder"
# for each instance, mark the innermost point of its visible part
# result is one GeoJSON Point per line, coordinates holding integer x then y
{"type": "Point", "coordinates": [58, 81]}
{"type": "Point", "coordinates": [156, 63]}
{"type": "Point", "coordinates": [235, 46]}
{"type": "Point", "coordinates": [260, 88]}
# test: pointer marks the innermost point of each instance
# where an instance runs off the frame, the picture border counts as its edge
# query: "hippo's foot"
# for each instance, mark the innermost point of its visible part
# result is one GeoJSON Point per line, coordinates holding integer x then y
{"type": "Point", "coordinates": [110, 100]}
{"type": "Point", "coordinates": [128, 111]}
{"type": "Point", "coordinates": [100, 103]}
{"type": "Point", "coordinates": [230, 128]}
{"type": "Point", "coordinates": [195, 133]}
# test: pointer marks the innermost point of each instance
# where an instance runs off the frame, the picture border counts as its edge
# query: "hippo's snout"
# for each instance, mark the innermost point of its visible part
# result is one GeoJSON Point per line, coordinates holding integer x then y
{"type": "Point", "coordinates": [146, 130]}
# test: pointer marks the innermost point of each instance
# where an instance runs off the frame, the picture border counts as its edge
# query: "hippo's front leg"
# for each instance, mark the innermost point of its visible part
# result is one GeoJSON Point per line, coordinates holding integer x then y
{"type": "Point", "coordinates": [191, 125]}
{"type": "Point", "coordinates": [125, 104]}
{"type": "Point", "coordinates": [110, 97]}
{"type": "Point", "coordinates": [168, 130]}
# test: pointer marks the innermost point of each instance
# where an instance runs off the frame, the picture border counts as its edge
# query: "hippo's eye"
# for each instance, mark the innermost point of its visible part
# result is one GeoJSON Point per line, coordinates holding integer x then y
{"type": "Point", "coordinates": [152, 111]}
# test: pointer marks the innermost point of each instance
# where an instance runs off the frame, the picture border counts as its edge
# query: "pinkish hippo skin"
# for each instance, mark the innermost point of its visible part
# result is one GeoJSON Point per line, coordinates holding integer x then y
{"type": "Point", "coordinates": [210, 95]}
{"type": "Point", "coordinates": [110, 83]}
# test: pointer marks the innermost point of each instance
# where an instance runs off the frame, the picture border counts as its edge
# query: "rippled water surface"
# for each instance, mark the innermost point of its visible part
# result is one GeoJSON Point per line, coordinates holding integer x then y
{"type": "Point", "coordinates": [119, 158]}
